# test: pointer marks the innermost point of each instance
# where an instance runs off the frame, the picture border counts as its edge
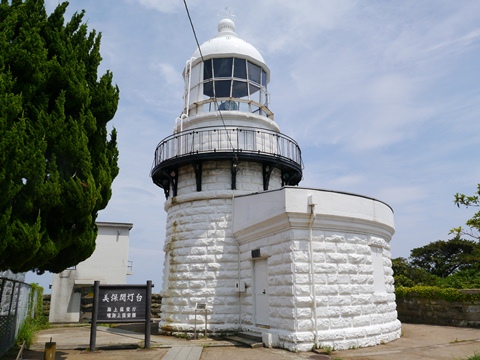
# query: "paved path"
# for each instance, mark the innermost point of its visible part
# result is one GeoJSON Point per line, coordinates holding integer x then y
{"type": "Point", "coordinates": [112, 343]}
{"type": "Point", "coordinates": [184, 353]}
{"type": "Point", "coordinates": [418, 342]}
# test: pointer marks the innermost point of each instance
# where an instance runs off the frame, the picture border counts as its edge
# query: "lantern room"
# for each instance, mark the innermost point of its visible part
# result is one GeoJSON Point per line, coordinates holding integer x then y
{"type": "Point", "coordinates": [226, 73]}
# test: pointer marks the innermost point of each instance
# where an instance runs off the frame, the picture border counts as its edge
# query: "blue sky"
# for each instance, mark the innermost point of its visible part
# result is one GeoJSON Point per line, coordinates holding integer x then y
{"type": "Point", "coordinates": [383, 98]}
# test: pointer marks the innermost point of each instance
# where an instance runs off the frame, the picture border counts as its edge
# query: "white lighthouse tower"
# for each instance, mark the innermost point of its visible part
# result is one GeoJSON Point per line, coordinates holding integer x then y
{"type": "Point", "coordinates": [225, 144]}
{"type": "Point", "coordinates": [300, 267]}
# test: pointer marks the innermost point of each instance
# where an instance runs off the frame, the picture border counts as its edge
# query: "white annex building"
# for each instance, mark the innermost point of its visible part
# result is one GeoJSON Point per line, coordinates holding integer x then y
{"type": "Point", "coordinates": [108, 264]}
{"type": "Point", "coordinates": [300, 267]}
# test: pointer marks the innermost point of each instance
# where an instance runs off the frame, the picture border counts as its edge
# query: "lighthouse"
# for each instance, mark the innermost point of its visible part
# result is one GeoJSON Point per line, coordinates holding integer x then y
{"type": "Point", "coordinates": [246, 249]}
{"type": "Point", "coordinates": [226, 143]}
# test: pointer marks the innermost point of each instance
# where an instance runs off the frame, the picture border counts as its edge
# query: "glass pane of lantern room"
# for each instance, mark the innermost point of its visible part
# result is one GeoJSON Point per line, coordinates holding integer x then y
{"type": "Point", "coordinates": [239, 68]}
{"type": "Point", "coordinates": [222, 88]}
{"type": "Point", "coordinates": [253, 89]}
{"type": "Point", "coordinates": [207, 70]}
{"type": "Point", "coordinates": [222, 67]}
{"type": "Point", "coordinates": [264, 78]}
{"type": "Point", "coordinates": [254, 73]}
{"type": "Point", "coordinates": [239, 89]}
{"type": "Point", "coordinates": [208, 89]}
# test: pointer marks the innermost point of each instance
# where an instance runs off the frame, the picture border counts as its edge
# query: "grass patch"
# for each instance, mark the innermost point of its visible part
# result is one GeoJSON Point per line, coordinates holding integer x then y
{"type": "Point", "coordinates": [474, 357]}
{"type": "Point", "coordinates": [461, 341]}
{"type": "Point", "coordinates": [28, 330]}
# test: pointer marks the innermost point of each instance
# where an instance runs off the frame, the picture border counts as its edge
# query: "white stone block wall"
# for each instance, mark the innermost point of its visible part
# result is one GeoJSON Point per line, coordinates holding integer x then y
{"type": "Point", "coordinates": [348, 302]}
{"type": "Point", "coordinates": [349, 312]}
{"type": "Point", "coordinates": [201, 264]}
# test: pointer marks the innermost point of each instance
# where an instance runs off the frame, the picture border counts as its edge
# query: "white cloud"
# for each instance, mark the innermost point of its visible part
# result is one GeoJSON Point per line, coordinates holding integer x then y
{"type": "Point", "coordinates": [165, 6]}
{"type": "Point", "coordinates": [457, 44]}
{"type": "Point", "coordinates": [404, 194]}
{"type": "Point", "coordinates": [168, 72]}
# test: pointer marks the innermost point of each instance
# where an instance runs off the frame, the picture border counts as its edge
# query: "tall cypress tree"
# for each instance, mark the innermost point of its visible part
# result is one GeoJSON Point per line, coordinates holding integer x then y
{"type": "Point", "coordinates": [57, 160]}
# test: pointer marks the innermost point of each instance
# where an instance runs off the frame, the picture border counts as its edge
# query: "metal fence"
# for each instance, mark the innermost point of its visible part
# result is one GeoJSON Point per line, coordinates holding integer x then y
{"type": "Point", "coordinates": [17, 303]}
{"type": "Point", "coordinates": [247, 140]}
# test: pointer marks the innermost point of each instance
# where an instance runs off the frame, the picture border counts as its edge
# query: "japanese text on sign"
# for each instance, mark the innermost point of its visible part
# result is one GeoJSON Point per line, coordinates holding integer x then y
{"type": "Point", "coordinates": [121, 312]}
{"type": "Point", "coordinates": [121, 303]}
{"type": "Point", "coordinates": [132, 297]}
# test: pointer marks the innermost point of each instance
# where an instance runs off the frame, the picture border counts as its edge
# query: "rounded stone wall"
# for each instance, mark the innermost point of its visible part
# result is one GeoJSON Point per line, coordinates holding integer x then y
{"type": "Point", "coordinates": [201, 254]}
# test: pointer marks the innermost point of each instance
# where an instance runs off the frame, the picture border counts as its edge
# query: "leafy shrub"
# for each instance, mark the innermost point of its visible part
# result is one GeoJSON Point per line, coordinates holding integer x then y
{"type": "Point", "coordinates": [435, 292]}
{"type": "Point", "coordinates": [402, 280]}
{"type": "Point", "coordinates": [406, 274]}
{"type": "Point", "coordinates": [463, 279]}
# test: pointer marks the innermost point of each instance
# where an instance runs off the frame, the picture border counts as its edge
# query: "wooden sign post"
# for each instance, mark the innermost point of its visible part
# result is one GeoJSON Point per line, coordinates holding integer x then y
{"type": "Point", "coordinates": [121, 304]}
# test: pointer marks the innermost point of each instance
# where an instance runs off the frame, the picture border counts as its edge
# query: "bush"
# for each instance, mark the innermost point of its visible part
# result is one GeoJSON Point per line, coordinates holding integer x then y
{"type": "Point", "coordinates": [402, 280]}
{"type": "Point", "coordinates": [463, 279]}
{"type": "Point", "coordinates": [36, 308]}
{"type": "Point", "coordinates": [435, 292]}
{"type": "Point", "coordinates": [406, 274]}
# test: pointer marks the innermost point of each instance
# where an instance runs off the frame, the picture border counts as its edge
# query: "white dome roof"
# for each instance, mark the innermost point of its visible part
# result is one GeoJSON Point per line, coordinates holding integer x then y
{"type": "Point", "coordinates": [228, 43]}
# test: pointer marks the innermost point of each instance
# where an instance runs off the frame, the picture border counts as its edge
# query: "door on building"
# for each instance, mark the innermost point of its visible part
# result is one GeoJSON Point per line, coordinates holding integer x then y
{"type": "Point", "coordinates": [261, 292]}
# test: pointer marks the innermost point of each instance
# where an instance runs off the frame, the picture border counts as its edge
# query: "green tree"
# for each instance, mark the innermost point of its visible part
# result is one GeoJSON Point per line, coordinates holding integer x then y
{"type": "Point", "coordinates": [474, 222]}
{"type": "Point", "coordinates": [57, 160]}
{"type": "Point", "coordinates": [443, 258]}
{"type": "Point", "coordinates": [406, 274]}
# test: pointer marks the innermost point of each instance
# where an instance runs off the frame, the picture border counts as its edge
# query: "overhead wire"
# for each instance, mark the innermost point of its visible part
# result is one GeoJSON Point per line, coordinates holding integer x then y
{"type": "Point", "coordinates": [214, 96]}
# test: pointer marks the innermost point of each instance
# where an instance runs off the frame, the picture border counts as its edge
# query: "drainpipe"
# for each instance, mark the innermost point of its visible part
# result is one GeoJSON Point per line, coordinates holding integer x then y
{"type": "Point", "coordinates": [238, 266]}
{"type": "Point", "coordinates": [311, 220]}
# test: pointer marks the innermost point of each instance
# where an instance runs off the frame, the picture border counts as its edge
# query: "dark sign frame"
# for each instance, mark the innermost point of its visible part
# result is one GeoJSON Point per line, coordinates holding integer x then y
{"type": "Point", "coordinates": [121, 304]}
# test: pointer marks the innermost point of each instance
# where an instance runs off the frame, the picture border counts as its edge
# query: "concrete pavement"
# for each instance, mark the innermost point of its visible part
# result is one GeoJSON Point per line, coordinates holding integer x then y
{"type": "Point", "coordinates": [418, 342]}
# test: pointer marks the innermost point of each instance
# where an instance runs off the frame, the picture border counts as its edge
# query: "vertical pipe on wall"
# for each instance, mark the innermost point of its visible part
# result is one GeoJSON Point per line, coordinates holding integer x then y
{"type": "Point", "coordinates": [238, 265]}
{"type": "Point", "coordinates": [311, 205]}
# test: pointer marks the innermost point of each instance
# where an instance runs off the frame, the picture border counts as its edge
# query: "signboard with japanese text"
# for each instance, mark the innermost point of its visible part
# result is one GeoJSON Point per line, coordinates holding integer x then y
{"type": "Point", "coordinates": [122, 303]}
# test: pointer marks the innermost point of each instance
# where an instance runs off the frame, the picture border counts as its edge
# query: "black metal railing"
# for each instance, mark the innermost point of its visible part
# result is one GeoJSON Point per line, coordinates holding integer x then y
{"type": "Point", "coordinates": [244, 140]}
